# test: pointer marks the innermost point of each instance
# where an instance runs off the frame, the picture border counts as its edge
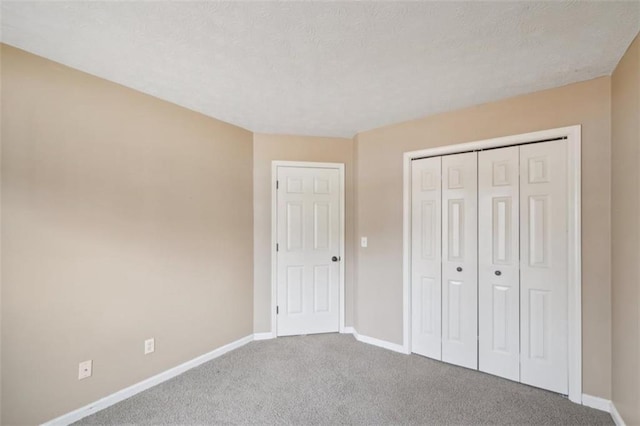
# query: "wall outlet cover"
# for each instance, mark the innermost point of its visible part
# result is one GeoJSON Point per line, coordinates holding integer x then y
{"type": "Point", "coordinates": [85, 369]}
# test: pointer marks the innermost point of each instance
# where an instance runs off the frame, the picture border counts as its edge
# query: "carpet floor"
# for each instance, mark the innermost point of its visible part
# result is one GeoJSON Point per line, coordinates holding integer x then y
{"type": "Point", "coordinates": [334, 379]}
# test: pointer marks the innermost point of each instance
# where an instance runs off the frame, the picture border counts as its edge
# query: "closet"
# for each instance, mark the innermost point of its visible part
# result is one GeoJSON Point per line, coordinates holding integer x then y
{"type": "Point", "coordinates": [489, 261]}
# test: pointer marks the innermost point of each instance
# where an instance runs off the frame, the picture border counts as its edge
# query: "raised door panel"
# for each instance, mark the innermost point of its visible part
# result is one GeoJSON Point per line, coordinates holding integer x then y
{"type": "Point", "coordinates": [459, 260]}
{"type": "Point", "coordinates": [543, 254]}
{"type": "Point", "coordinates": [498, 264]}
{"type": "Point", "coordinates": [428, 227]}
{"type": "Point", "coordinates": [455, 232]}
{"type": "Point", "coordinates": [295, 283]}
{"type": "Point", "coordinates": [454, 311]}
{"type": "Point", "coordinates": [426, 257]}
{"type": "Point", "coordinates": [308, 230]}
{"type": "Point", "coordinates": [539, 231]}
{"type": "Point", "coordinates": [321, 288]}
{"type": "Point", "coordinates": [321, 225]}
{"type": "Point", "coordinates": [294, 226]}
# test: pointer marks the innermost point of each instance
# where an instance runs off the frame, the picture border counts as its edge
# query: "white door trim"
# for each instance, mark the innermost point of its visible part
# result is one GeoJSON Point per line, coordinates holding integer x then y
{"type": "Point", "coordinates": [274, 233]}
{"type": "Point", "coordinates": [573, 135]}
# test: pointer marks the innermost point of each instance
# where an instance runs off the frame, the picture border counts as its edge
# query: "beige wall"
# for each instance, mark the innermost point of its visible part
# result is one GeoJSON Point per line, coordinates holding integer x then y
{"type": "Point", "coordinates": [123, 217]}
{"type": "Point", "coordinates": [267, 148]}
{"type": "Point", "coordinates": [1, 235]}
{"type": "Point", "coordinates": [625, 219]}
{"type": "Point", "coordinates": [379, 205]}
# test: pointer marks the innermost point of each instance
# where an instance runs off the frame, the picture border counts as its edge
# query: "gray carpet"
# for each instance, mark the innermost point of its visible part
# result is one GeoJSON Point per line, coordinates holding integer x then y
{"type": "Point", "coordinates": [334, 379]}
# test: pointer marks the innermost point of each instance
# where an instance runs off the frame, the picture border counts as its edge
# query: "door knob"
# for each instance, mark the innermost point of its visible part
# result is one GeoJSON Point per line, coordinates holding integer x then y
{"type": "Point", "coordinates": [335, 258]}
{"type": "Point", "coordinates": [498, 273]}
{"type": "Point", "coordinates": [459, 269]}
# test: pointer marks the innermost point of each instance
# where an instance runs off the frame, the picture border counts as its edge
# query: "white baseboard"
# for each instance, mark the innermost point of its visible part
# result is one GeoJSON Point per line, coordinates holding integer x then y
{"type": "Point", "coordinates": [125, 393]}
{"type": "Point", "coordinates": [603, 405]}
{"type": "Point", "coordinates": [596, 402]}
{"type": "Point", "coordinates": [377, 342]}
{"type": "Point", "coordinates": [348, 330]}
{"type": "Point", "coordinates": [617, 419]}
{"type": "Point", "coordinates": [263, 336]}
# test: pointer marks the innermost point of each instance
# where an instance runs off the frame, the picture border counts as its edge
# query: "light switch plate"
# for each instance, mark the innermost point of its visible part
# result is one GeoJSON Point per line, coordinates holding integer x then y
{"type": "Point", "coordinates": [149, 346]}
{"type": "Point", "coordinates": [363, 242]}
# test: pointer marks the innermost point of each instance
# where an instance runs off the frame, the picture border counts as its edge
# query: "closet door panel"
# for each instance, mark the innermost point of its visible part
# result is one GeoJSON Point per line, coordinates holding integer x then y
{"type": "Point", "coordinates": [426, 228]}
{"type": "Point", "coordinates": [459, 260]}
{"type": "Point", "coordinates": [498, 263]}
{"type": "Point", "coordinates": [543, 263]}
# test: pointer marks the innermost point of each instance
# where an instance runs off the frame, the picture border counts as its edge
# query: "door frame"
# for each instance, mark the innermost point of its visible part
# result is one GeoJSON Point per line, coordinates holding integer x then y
{"type": "Point", "coordinates": [574, 290]}
{"type": "Point", "coordinates": [274, 236]}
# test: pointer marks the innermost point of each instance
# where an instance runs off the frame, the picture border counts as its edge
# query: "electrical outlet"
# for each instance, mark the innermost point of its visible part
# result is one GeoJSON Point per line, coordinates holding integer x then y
{"type": "Point", "coordinates": [84, 369]}
{"type": "Point", "coordinates": [149, 346]}
{"type": "Point", "coordinates": [363, 242]}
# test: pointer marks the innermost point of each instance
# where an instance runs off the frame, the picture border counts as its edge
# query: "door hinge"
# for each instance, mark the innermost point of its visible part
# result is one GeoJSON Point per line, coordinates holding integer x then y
{"type": "Point", "coordinates": [277, 247]}
{"type": "Point", "coordinates": [277, 184]}
{"type": "Point", "coordinates": [277, 310]}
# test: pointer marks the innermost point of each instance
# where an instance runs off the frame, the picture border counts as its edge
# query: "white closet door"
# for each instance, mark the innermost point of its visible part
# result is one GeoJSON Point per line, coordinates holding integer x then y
{"type": "Point", "coordinates": [426, 257]}
{"type": "Point", "coordinates": [543, 257]}
{"type": "Point", "coordinates": [498, 263]}
{"type": "Point", "coordinates": [460, 259]}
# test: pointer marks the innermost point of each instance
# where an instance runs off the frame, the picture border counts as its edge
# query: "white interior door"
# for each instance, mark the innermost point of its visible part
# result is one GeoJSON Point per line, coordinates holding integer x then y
{"type": "Point", "coordinates": [308, 237]}
{"type": "Point", "coordinates": [460, 259]}
{"type": "Point", "coordinates": [426, 228]}
{"type": "Point", "coordinates": [498, 263]}
{"type": "Point", "coordinates": [543, 257]}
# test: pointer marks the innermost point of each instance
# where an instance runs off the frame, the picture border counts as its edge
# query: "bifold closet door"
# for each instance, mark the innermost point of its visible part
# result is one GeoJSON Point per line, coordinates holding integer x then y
{"type": "Point", "coordinates": [425, 257]}
{"type": "Point", "coordinates": [498, 263]}
{"type": "Point", "coordinates": [460, 259]}
{"type": "Point", "coordinates": [543, 265]}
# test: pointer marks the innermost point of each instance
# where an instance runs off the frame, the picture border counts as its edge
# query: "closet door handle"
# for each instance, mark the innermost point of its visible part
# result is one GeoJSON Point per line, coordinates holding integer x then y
{"type": "Point", "coordinates": [498, 273]}
{"type": "Point", "coordinates": [459, 269]}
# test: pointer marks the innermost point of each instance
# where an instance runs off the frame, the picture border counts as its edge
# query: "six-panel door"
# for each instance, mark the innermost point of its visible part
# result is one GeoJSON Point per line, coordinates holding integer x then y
{"type": "Point", "coordinates": [308, 230]}
{"type": "Point", "coordinates": [498, 263]}
{"type": "Point", "coordinates": [426, 337]}
{"type": "Point", "coordinates": [460, 260]}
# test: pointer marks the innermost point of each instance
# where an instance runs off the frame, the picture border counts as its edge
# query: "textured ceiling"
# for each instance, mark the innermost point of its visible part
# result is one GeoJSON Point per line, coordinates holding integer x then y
{"type": "Point", "coordinates": [327, 68]}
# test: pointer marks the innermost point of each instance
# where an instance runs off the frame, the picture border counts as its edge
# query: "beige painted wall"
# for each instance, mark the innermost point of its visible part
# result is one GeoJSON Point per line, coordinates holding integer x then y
{"type": "Point", "coordinates": [0, 235]}
{"type": "Point", "coordinates": [123, 217]}
{"type": "Point", "coordinates": [625, 220]}
{"type": "Point", "coordinates": [379, 205]}
{"type": "Point", "coordinates": [267, 148]}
